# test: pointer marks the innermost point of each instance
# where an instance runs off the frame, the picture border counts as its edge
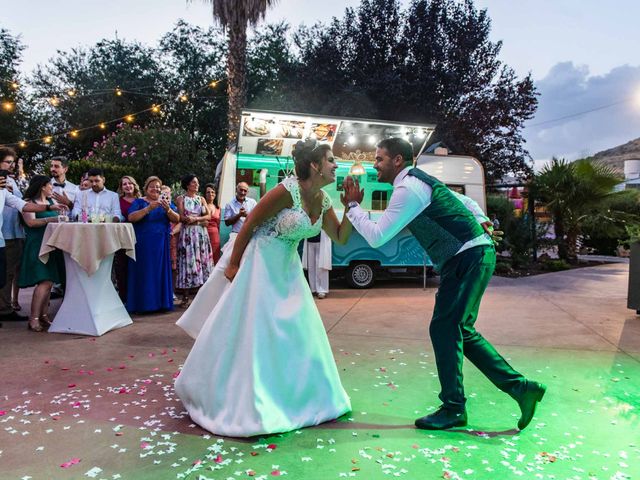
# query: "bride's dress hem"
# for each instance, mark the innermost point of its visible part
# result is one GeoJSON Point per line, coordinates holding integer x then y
{"type": "Point", "coordinates": [207, 425]}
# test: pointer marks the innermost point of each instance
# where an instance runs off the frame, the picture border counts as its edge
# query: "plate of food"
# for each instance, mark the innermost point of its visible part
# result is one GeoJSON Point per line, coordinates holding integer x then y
{"type": "Point", "coordinates": [255, 127]}
{"type": "Point", "coordinates": [291, 129]}
{"type": "Point", "coordinates": [269, 146]}
{"type": "Point", "coordinates": [324, 132]}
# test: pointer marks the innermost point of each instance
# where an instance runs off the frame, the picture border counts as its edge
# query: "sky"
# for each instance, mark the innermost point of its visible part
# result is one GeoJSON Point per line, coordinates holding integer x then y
{"type": "Point", "coordinates": [582, 54]}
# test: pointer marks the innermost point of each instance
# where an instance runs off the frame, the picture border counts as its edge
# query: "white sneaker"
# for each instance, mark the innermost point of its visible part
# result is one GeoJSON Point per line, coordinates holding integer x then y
{"type": "Point", "coordinates": [321, 295]}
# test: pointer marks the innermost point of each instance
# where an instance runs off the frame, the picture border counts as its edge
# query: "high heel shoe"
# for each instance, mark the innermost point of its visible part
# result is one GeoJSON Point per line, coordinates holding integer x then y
{"type": "Point", "coordinates": [37, 328]}
{"type": "Point", "coordinates": [44, 321]}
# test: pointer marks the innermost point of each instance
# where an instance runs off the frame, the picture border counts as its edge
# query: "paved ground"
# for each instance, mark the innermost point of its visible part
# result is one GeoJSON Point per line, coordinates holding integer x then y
{"type": "Point", "coordinates": [79, 407]}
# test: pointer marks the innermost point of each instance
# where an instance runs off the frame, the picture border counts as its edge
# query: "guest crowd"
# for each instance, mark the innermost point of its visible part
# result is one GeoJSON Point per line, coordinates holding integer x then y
{"type": "Point", "coordinates": [177, 240]}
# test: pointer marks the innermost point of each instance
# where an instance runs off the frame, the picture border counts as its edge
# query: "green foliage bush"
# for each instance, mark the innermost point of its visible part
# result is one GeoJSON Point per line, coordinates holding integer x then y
{"type": "Point", "coordinates": [518, 240]}
{"type": "Point", "coordinates": [556, 265]}
{"type": "Point", "coordinates": [142, 152]}
{"type": "Point", "coordinates": [604, 232]}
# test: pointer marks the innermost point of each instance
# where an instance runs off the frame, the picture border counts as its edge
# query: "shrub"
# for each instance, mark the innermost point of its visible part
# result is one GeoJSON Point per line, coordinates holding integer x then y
{"type": "Point", "coordinates": [556, 265]}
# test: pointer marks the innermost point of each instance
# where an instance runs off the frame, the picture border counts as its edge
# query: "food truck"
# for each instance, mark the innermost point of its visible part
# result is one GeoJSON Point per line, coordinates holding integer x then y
{"type": "Point", "coordinates": [263, 159]}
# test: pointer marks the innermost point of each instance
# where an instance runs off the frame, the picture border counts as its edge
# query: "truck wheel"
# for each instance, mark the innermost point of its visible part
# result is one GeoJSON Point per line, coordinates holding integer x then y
{"type": "Point", "coordinates": [360, 275]}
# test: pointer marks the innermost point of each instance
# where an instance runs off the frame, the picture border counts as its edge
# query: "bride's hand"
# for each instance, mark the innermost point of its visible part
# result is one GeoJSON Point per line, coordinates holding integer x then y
{"type": "Point", "coordinates": [231, 271]}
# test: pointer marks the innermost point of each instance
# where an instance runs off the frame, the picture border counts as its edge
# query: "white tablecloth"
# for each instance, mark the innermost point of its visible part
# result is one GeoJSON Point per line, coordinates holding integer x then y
{"type": "Point", "coordinates": [91, 305]}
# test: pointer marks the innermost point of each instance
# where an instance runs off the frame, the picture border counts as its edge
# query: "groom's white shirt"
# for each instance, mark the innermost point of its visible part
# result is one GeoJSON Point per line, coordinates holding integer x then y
{"type": "Point", "coordinates": [410, 197]}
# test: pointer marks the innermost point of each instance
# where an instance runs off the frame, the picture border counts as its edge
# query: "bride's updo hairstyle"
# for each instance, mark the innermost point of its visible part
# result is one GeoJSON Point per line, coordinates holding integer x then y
{"type": "Point", "coordinates": [307, 152]}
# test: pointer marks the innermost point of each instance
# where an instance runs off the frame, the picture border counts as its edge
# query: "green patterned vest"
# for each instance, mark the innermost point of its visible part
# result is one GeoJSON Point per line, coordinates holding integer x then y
{"type": "Point", "coordinates": [445, 224]}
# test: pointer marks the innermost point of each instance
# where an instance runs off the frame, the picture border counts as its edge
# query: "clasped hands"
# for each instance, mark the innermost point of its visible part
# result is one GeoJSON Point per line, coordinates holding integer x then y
{"type": "Point", "coordinates": [351, 191]}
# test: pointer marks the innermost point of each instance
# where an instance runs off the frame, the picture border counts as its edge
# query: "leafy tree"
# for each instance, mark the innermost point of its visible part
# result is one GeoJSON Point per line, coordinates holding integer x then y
{"type": "Point", "coordinates": [93, 75]}
{"type": "Point", "coordinates": [433, 63]}
{"type": "Point", "coordinates": [143, 152]}
{"type": "Point", "coordinates": [269, 62]}
{"type": "Point", "coordinates": [235, 16]}
{"type": "Point", "coordinates": [12, 106]}
{"type": "Point", "coordinates": [574, 193]}
{"type": "Point", "coordinates": [192, 59]}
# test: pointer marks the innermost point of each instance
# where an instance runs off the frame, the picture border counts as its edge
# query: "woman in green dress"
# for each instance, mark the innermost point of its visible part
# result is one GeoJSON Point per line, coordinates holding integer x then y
{"type": "Point", "coordinates": [32, 270]}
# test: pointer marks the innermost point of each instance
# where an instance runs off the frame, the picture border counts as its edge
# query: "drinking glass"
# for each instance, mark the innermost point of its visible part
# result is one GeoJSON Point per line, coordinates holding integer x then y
{"type": "Point", "coordinates": [63, 215]}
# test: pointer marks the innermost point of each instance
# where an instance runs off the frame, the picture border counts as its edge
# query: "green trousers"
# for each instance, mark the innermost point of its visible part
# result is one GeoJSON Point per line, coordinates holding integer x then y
{"type": "Point", "coordinates": [463, 280]}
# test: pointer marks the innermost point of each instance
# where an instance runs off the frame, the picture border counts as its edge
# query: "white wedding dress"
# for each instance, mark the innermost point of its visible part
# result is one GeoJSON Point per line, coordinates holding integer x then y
{"type": "Point", "coordinates": [261, 362]}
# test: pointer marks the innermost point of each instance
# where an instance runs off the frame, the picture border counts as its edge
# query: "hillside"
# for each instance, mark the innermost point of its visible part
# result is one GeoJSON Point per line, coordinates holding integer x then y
{"type": "Point", "coordinates": [617, 155]}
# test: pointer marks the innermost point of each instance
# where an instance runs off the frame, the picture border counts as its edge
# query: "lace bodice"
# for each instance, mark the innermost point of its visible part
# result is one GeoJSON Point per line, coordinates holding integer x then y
{"type": "Point", "coordinates": [293, 224]}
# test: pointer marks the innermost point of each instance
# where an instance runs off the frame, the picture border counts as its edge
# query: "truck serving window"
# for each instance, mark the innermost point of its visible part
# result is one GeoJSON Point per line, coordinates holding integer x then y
{"type": "Point", "coordinates": [379, 199]}
{"type": "Point", "coordinates": [244, 175]}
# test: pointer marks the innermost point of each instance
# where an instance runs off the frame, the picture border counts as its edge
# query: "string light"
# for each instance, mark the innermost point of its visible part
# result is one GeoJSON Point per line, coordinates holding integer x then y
{"type": "Point", "coordinates": [130, 118]}
{"type": "Point", "coordinates": [15, 85]}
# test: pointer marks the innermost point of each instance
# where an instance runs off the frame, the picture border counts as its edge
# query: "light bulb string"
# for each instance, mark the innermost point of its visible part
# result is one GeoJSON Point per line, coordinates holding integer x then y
{"type": "Point", "coordinates": [103, 124]}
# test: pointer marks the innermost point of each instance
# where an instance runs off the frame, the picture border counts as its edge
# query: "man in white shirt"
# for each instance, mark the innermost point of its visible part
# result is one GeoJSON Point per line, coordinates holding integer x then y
{"type": "Point", "coordinates": [236, 211]}
{"type": "Point", "coordinates": [13, 235]}
{"type": "Point", "coordinates": [97, 199]}
{"type": "Point", "coordinates": [462, 251]}
{"type": "Point", "coordinates": [7, 198]}
{"type": "Point", "coordinates": [64, 192]}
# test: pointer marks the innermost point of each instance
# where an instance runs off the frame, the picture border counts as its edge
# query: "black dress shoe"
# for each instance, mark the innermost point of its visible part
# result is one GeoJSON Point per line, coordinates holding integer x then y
{"type": "Point", "coordinates": [528, 402]}
{"type": "Point", "coordinates": [442, 419]}
{"type": "Point", "coordinates": [13, 317]}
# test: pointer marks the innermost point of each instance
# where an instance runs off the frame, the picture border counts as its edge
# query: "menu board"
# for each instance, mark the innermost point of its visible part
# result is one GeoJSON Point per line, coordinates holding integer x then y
{"type": "Point", "coordinates": [274, 133]}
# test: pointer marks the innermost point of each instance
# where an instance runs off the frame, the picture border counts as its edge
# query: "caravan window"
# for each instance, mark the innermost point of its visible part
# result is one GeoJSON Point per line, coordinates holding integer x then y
{"type": "Point", "coordinates": [379, 199]}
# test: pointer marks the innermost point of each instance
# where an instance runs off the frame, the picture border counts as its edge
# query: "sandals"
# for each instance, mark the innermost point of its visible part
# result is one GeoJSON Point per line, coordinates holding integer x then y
{"type": "Point", "coordinates": [44, 321]}
{"type": "Point", "coordinates": [37, 328]}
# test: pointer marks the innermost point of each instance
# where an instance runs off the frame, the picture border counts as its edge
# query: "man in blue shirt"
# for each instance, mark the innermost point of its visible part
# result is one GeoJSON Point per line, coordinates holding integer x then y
{"type": "Point", "coordinates": [237, 209]}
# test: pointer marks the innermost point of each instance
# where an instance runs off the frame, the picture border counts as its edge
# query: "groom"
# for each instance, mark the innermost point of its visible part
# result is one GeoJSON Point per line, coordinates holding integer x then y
{"type": "Point", "coordinates": [464, 255]}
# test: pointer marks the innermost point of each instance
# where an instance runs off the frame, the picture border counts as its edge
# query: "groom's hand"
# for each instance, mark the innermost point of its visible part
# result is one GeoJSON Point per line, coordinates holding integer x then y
{"type": "Point", "coordinates": [496, 235]}
{"type": "Point", "coordinates": [352, 192]}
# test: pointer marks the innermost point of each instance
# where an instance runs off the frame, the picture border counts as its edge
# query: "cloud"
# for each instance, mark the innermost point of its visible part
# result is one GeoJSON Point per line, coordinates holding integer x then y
{"type": "Point", "coordinates": [579, 115]}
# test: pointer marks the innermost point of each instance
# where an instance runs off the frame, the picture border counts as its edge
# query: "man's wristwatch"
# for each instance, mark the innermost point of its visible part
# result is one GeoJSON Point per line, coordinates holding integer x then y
{"type": "Point", "coordinates": [353, 204]}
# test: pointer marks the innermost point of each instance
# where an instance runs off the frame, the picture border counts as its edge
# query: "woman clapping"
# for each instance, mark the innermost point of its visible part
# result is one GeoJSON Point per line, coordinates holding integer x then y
{"type": "Point", "coordinates": [149, 281]}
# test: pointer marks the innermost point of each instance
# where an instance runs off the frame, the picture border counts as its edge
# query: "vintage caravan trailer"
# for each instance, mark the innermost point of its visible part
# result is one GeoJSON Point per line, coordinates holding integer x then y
{"type": "Point", "coordinates": [263, 159]}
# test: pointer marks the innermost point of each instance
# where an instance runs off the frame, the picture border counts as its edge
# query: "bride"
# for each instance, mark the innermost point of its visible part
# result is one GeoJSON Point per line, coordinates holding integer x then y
{"type": "Point", "coordinates": [261, 362]}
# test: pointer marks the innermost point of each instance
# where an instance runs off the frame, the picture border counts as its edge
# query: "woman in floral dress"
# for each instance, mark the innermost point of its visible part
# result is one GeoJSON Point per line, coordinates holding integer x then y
{"type": "Point", "coordinates": [195, 260]}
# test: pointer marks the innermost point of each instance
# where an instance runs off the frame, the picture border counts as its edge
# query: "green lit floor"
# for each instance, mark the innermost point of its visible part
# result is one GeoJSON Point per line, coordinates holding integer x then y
{"type": "Point", "coordinates": [77, 407]}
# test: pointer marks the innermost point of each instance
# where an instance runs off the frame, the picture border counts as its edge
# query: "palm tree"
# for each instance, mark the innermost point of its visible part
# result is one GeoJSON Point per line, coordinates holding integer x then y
{"type": "Point", "coordinates": [235, 16]}
{"type": "Point", "coordinates": [573, 193]}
